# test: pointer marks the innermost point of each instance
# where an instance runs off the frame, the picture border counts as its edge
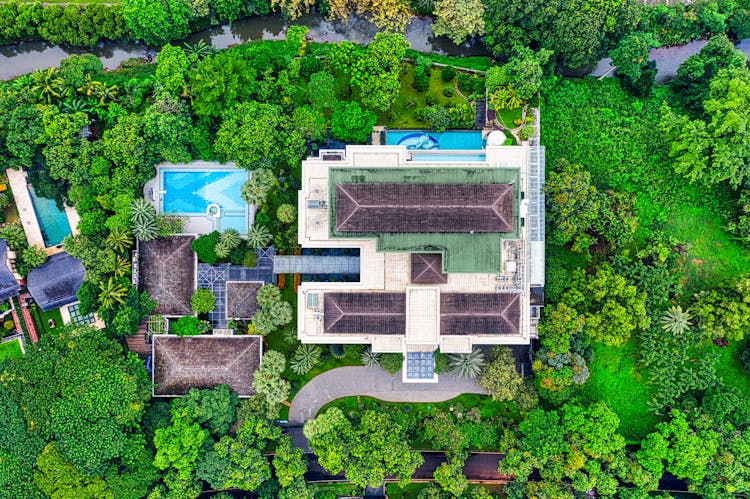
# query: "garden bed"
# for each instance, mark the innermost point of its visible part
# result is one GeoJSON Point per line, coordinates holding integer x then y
{"type": "Point", "coordinates": [11, 349]}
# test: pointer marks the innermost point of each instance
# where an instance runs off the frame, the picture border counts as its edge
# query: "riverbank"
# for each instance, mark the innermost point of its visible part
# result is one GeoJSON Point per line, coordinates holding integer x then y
{"type": "Point", "coordinates": [26, 57]}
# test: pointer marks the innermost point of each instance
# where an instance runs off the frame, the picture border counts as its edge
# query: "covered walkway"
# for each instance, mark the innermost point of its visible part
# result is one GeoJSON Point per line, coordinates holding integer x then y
{"type": "Point", "coordinates": [314, 264]}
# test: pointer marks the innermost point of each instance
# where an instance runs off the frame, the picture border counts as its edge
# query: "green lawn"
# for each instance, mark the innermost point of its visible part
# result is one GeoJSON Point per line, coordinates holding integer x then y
{"type": "Point", "coordinates": [403, 111]}
{"type": "Point", "coordinates": [41, 319]}
{"type": "Point", "coordinates": [730, 369]}
{"type": "Point", "coordinates": [411, 491]}
{"type": "Point", "coordinates": [619, 381]}
{"type": "Point", "coordinates": [10, 350]}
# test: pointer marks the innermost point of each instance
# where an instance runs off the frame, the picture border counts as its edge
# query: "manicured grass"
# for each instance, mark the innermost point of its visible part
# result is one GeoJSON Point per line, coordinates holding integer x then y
{"type": "Point", "coordinates": [617, 380]}
{"type": "Point", "coordinates": [340, 489]}
{"type": "Point", "coordinates": [10, 350]}
{"type": "Point", "coordinates": [730, 369]}
{"type": "Point", "coordinates": [41, 319]}
{"type": "Point", "coordinates": [410, 491]}
{"type": "Point", "coordinates": [403, 113]}
{"type": "Point", "coordinates": [506, 117]}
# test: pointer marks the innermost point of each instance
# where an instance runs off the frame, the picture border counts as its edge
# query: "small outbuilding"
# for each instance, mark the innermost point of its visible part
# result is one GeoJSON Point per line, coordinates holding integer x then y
{"type": "Point", "coordinates": [55, 283]}
{"type": "Point", "coordinates": [184, 362]}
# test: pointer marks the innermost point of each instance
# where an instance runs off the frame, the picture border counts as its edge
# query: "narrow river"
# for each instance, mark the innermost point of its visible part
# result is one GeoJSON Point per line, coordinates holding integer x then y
{"type": "Point", "coordinates": [28, 56]}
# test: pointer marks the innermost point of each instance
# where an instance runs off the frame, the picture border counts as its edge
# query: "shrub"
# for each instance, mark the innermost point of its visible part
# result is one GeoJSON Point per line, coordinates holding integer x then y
{"type": "Point", "coordinates": [8, 325]}
{"type": "Point", "coordinates": [286, 213]}
{"type": "Point", "coordinates": [354, 350]}
{"type": "Point", "coordinates": [448, 91]}
{"type": "Point", "coordinates": [447, 74]}
{"type": "Point", "coordinates": [391, 362]}
{"type": "Point", "coordinates": [337, 351]}
{"type": "Point", "coordinates": [250, 260]}
{"type": "Point", "coordinates": [421, 80]}
{"type": "Point", "coordinates": [188, 326]}
{"type": "Point", "coordinates": [746, 358]}
{"type": "Point", "coordinates": [309, 65]}
{"type": "Point", "coordinates": [439, 118]}
{"type": "Point", "coordinates": [203, 301]}
{"type": "Point", "coordinates": [204, 247]}
{"type": "Point", "coordinates": [526, 132]}
{"type": "Point", "coordinates": [441, 362]}
{"type": "Point", "coordinates": [430, 100]}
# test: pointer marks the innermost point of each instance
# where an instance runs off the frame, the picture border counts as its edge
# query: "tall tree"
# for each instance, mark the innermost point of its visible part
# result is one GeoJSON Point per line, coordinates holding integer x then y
{"type": "Point", "coordinates": [367, 450]}
{"type": "Point", "coordinates": [459, 19]}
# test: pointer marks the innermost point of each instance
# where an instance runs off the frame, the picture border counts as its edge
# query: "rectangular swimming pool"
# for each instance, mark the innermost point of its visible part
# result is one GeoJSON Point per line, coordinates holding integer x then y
{"type": "Point", "coordinates": [190, 191]}
{"type": "Point", "coordinates": [443, 157]}
{"type": "Point", "coordinates": [53, 222]}
{"type": "Point", "coordinates": [451, 140]}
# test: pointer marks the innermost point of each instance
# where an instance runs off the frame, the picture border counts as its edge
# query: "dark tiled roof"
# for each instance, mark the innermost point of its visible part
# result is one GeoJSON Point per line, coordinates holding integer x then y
{"type": "Point", "coordinates": [378, 207]}
{"type": "Point", "coordinates": [241, 299]}
{"type": "Point", "coordinates": [427, 268]}
{"type": "Point", "coordinates": [479, 313]}
{"type": "Point", "coordinates": [167, 273]}
{"type": "Point", "coordinates": [8, 284]}
{"type": "Point", "coordinates": [182, 363]}
{"type": "Point", "coordinates": [55, 283]}
{"type": "Point", "coordinates": [364, 313]}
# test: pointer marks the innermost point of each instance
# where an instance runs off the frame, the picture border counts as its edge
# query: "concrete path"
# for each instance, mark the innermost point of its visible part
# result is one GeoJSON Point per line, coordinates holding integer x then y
{"type": "Point", "coordinates": [372, 382]}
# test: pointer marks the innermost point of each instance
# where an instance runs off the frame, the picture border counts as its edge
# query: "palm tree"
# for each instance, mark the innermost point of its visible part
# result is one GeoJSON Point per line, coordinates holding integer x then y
{"type": "Point", "coordinates": [289, 335]}
{"type": "Point", "coordinates": [231, 238]}
{"type": "Point", "coordinates": [141, 211]}
{"type": "Point", "coordinates": [305, 358]}
{"type": "Point", "coordinates": [49, 84]}
{"type": "Point", "coordinates": [122, 266]}
{"type": "Point", "coordinates": [75, 105]}
{"type": "Point", "coordinates": [199, 50]}
{"type": "Point", "coordinates": [370, 358]}
{"type": "Point", "coordinates": [23, 81]}
{"type": "Point", "coordinates": [506, 97]}
{"type": "Point", "coordinates": [676, 321]}
{"type": "Point", "coordinates": [89, 86]}
{"type": "Point", "coordinates": [105, 92]}
{"type": "Point", "coordinates": [145, 230]}
{"type": "Point", "coordinates": [258, 237]}
{"type": "Point", "coordinates": [467, 365]}
{"type": "Point", "coordinates": [111, 292]}
{"type": "Point", "coordinates": [222, 249]}
{"type": "Point", "coordinates": [119, 239]}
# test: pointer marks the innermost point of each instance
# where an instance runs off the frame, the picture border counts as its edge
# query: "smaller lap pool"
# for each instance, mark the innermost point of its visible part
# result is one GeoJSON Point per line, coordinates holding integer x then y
{"type": "Point", "coordinates": [451, 140]}
{"type": "Point", "coordinates": [443, 157]}
{"type": "Point", "coordinates": [53, 221]}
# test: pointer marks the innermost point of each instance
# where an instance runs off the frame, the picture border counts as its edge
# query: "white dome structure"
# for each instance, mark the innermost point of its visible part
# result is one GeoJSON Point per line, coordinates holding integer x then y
{"type": "Point", "coordinates": [495, 138]}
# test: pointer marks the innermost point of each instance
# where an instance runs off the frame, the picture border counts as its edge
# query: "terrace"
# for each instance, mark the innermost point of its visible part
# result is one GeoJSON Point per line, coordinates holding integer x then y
{"type": "Point", "coordinates": [182, 363]}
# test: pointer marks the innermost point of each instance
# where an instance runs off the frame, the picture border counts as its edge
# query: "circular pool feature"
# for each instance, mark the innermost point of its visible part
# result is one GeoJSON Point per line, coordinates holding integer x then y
{"type": "Point", "coordinates": [419, 142]}
{"type": "Point", "coordinates": [496, 138]}
{"type": "Point", "coordinates": [213, 210]}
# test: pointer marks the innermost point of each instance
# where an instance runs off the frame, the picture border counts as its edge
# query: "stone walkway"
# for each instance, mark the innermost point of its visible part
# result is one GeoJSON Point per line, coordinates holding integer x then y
{"type": "Point", "coordinates": [372, 382]}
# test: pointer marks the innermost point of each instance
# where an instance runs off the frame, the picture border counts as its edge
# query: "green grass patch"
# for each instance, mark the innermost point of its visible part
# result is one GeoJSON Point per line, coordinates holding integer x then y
{"type": "Point", "coordinates": [730, 369]}
{"type": "Point", "coordinates": [403, 111]}
{"type": "Point", "coordinates": [340, 489]}
{"type": "Point", "coordinates": [410, 491]}
{"type": "Point", "coordinates": [506, 116]}
{"type": "Point", "coordinates": [617, 380]}
{"type": "Point", "coordinates": [10, 350]}
{"type": "Point", "coordinates": [41, 319]}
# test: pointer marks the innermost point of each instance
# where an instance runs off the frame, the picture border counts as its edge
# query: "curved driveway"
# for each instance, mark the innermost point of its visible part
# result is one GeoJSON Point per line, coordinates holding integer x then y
{"type": "Point", "coordinates": [372, 382]}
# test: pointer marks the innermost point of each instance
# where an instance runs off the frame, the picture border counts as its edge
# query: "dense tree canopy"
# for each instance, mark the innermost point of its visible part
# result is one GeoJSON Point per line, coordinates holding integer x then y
{"type": "Point", "coordinates": [366, 450]}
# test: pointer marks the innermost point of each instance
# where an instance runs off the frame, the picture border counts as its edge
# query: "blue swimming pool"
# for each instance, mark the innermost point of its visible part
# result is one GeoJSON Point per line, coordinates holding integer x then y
{"type": "Point", "coordinates": [426, 156]}
{"type": "Point", "coordinates": [189, 191]}
{"type": "Point", "coordinates": [52, 220]}
{"type": "Point", "coordinates": [452, 140]}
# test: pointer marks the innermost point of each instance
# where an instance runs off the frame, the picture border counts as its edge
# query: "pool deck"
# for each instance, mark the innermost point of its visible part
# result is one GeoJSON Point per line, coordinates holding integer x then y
{"type": "Point", "coordinates": [27, 215]}
{"type": "Point", "coordinates": [17, 181]}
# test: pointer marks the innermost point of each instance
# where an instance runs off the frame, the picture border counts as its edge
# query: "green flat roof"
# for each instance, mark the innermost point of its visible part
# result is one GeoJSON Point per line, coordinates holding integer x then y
{"type": "Point", "coordinates": [478, 253]}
